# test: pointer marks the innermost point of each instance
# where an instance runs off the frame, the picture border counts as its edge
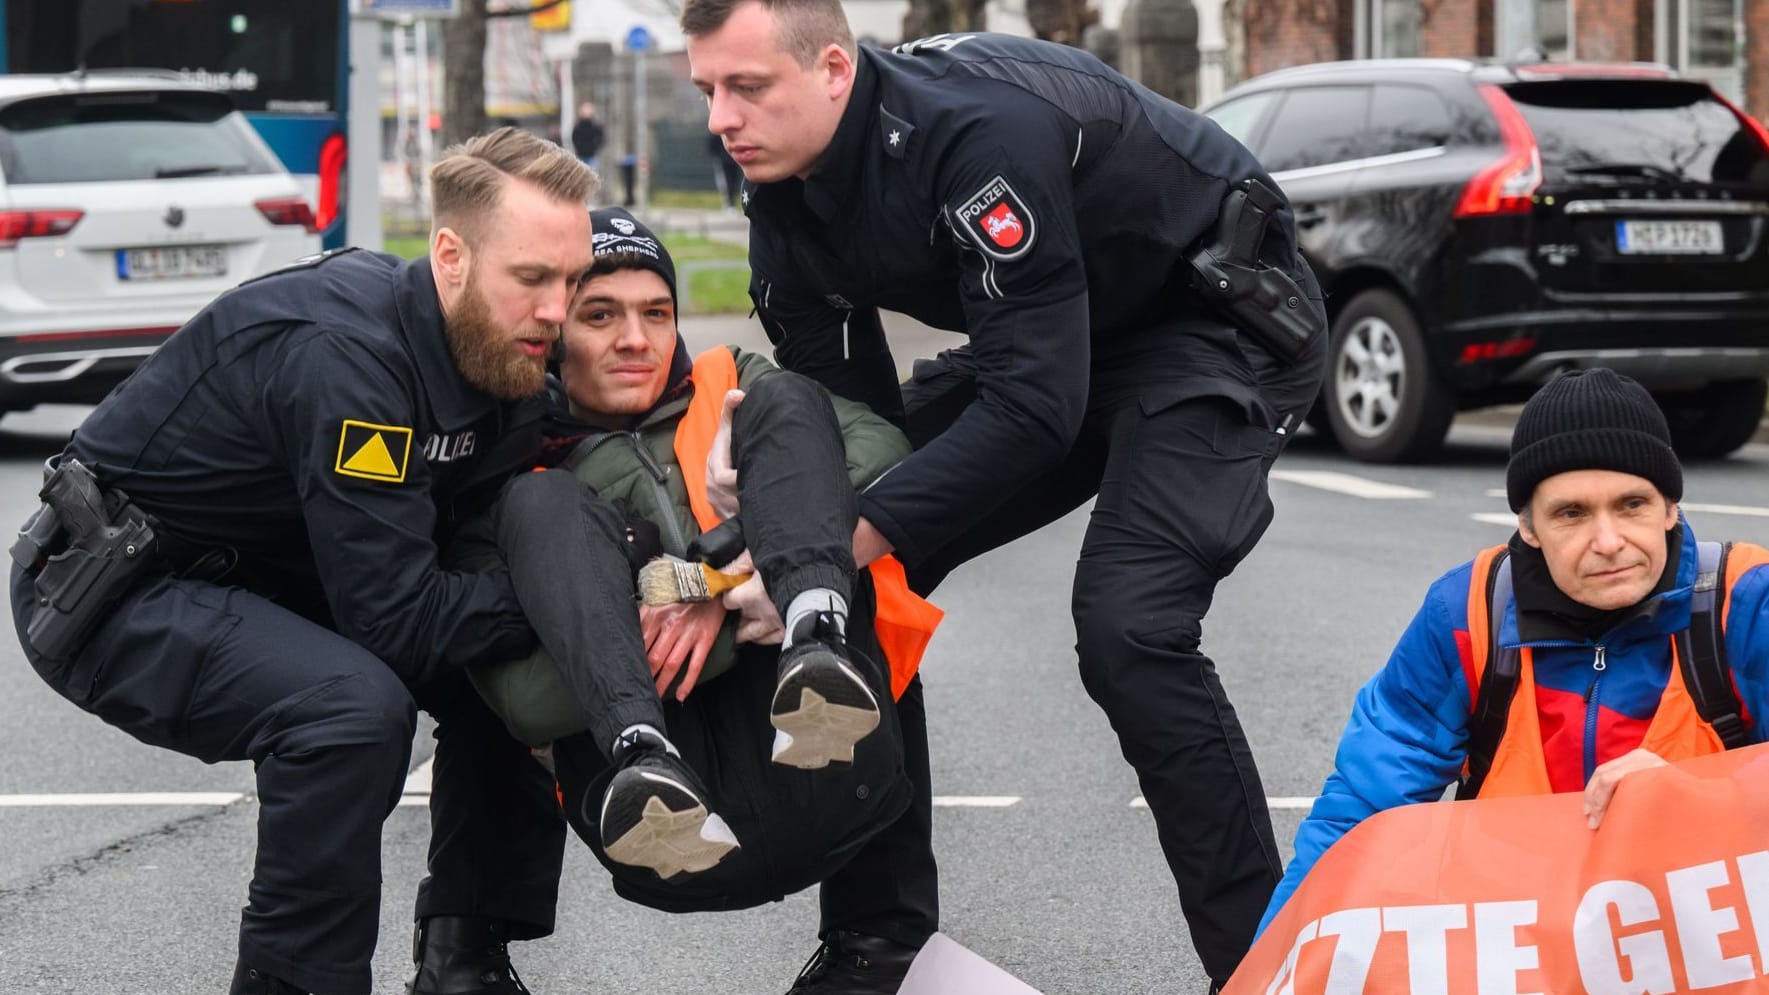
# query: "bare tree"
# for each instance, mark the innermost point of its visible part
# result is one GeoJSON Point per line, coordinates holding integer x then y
{"type": "Point", "coordinates": [463, 60]}
{"type": "Point", "coordinates": [1060, 20]}
{"type": "Point", "coordinates": [933, 17]}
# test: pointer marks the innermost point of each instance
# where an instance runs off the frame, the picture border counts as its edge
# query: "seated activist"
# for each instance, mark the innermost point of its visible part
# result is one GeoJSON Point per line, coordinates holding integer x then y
{"type": "Point", "coordinates": [1601, 640]}
{"type": "Point", "coordinates": [730, 792]}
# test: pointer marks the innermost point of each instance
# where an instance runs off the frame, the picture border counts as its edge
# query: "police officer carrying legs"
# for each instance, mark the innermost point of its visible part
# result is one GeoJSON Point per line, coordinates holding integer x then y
{"type": "Point", "coordinates": [1142, 332]}
{"type": "Point", "coordinates": [236, 559]}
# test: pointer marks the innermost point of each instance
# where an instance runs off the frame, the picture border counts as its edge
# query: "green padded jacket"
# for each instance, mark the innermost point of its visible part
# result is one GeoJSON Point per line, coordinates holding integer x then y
{"type": "Point", "coordinates": [639, 466]}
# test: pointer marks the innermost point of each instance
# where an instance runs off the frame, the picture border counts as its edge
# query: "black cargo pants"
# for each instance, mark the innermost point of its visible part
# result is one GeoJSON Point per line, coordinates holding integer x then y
{"type": "Point", "coordinates": [220, 673]}
{"type": "Point", "coordinates": [1177, 465]}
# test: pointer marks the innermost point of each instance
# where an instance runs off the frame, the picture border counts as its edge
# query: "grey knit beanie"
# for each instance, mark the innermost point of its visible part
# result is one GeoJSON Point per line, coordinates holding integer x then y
{"type": "Point", "coordinates": [1592, 419]}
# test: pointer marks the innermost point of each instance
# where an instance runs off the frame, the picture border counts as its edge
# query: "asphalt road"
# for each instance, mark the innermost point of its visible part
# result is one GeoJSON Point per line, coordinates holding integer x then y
{"type": "Point", "coordinates": [1063, 885]}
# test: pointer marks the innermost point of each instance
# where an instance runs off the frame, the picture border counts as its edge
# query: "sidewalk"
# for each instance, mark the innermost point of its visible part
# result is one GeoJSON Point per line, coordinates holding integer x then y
{"type": "Point", "coordinates": [725, 226]}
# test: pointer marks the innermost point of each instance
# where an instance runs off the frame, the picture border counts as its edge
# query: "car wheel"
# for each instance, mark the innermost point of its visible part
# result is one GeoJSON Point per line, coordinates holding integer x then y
{"type": "Point", "coordinates": [1381, 398]}
{"type": "Point", "coordinates": [1711, 423]}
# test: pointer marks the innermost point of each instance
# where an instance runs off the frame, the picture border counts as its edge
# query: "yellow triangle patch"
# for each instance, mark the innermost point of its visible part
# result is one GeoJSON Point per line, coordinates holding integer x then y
{"type": "Point", "coordinates": [373, 452]}
{"type": "Point", "coordinates": [373, 459]}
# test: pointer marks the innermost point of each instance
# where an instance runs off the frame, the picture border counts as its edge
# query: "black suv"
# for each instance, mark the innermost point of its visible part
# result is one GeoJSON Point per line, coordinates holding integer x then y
{"type": "Point", "coordinates": [1479, 227]}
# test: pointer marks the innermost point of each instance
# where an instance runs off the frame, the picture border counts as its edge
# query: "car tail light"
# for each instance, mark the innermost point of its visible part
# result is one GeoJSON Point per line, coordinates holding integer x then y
{"type": "Point", "coordinates": [1751, 124]}
{"type": "Point", "coordinates": [15, 225]}
{"type": "Point", "coordinates": [333, 155]}
{"type": "Point", "coordinates": [1509, 185]}
{"type": "Point", "coordinates": [1475, 352]}
{"type": "Point", "coordinates": [288, 211]}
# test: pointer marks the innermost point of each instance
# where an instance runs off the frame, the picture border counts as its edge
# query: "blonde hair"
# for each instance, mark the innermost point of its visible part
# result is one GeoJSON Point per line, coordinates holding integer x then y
{"type": "Point", "coordinates": [467, 183]}
{"type": "Point", "coordinates": [803, 28]}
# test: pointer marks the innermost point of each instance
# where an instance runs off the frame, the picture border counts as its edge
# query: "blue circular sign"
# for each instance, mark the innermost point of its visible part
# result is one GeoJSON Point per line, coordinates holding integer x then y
{"type": "Point", "coordinates": [638, 38]}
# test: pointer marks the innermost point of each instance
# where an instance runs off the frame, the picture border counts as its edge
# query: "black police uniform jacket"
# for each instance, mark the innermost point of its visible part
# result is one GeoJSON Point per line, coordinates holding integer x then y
{"type": "Point", "coordinates": [314, 422]}
{"type": "Point", "coordinates": [1028, 195]}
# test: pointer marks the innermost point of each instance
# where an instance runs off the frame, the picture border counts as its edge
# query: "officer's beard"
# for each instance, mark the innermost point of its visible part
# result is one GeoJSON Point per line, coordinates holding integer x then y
{"type": "Point", "coordinates": [486, 354]}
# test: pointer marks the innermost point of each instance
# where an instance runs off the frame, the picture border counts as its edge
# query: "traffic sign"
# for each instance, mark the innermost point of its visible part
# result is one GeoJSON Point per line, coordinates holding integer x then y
{"type": "Point", "coordinates": [638, 38]}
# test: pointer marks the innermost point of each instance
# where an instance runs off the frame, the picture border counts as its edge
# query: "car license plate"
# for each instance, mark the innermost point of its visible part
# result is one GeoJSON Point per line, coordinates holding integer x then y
{"type": "Point", "coordinates": [172, 262]}
{"type": "Point", "coordinates": [1669, 238]}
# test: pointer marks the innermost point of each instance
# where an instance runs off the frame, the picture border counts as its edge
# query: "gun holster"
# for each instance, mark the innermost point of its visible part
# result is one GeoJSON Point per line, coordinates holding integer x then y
{"type": "Point", "coordinates": [1260, 300]}
{"type": "Point", "coordinates": [87, 546]}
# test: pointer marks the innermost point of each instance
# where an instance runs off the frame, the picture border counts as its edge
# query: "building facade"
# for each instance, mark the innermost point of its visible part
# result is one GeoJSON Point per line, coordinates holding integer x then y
{"type": "Point", "coordinates": [1725, 42]}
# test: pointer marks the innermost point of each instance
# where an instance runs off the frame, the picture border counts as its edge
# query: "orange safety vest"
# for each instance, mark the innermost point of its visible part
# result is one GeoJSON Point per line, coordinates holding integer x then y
{"type": "Point", "coordinates": [1677, 730]}
{"type": "Point", "coordinates": [902, 619]}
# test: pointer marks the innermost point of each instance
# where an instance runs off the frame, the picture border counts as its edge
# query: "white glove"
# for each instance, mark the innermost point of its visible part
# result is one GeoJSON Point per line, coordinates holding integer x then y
{"type": "Point", "coordinates": [721, 474]}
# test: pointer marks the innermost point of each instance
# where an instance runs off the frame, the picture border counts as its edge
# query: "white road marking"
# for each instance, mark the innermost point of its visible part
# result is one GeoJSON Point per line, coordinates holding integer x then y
{"type": "Point", "coordinates": [1345, 483]}
{"type": "Point", "coordinates": [217, 799]}
{"type": "Point", "coordinates": [210, 798]}
{"type": "Point", "coordinates": [1495, 518]}
{"type": "Point", "coordinates": [418, 782]}
{"type": "Point", "coordinates": [1725, 509]}
{"type": "Point", "coordinates": [1278, 801]}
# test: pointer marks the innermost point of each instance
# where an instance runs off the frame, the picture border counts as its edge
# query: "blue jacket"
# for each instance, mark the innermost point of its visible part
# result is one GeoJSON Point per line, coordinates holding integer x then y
{"type": "Point", "coordinates": [1406, 739]}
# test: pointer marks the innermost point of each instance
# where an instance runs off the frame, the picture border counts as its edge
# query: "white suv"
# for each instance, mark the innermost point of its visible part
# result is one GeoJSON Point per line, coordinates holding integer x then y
{"type": "Point", "coordinates": [127, 203]}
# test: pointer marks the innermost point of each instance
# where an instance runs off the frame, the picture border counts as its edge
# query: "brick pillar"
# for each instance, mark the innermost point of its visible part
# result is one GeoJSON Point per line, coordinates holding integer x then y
{"type": "Point", "coordinates": [1756, 59]}
{"type": "Point", "coordinates": [1612, 30]}
{"type": "Point", "coordinates": [1282, 33]}
{"type": "Point", "coordinates": [1455, 28]}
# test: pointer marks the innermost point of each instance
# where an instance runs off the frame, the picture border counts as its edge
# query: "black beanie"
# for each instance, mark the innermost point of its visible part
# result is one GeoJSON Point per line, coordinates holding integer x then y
{"type": "Point", "coordinates": [615, 231]}
{"type": "Point", "coordinates": [1592, 419]}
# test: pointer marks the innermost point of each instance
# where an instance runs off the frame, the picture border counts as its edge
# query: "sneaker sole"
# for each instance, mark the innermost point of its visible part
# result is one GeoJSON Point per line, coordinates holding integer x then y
{"type": "Point", "coordinates": [821, 710]}
{"type": "Point", "coordinates": [671, 832]}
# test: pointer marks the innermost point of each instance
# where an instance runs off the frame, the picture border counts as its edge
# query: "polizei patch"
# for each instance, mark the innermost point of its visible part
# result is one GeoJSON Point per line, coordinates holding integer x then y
{"type": "Point", "coordinates": [997, 220]}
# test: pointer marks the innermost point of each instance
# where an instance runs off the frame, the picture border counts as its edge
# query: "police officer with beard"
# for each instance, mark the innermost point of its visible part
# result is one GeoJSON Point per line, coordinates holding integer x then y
{"type": "Point", "coordinates": [1143, 333]}
{"type": "Point", "coordinates": [237, 560]}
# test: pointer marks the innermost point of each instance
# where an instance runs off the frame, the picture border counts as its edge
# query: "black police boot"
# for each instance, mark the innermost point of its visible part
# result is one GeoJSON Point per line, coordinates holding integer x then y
{"type": "Point", "coordinates": [822, 706]}
{"type": "Point", "coordinates": [251, 981]}
{"type": "Point", "coordinates": [854, 964]}
{"type": "Point", "coordinates": [463, 955]}
{"type": "Point", "coordinates": [654, 813]}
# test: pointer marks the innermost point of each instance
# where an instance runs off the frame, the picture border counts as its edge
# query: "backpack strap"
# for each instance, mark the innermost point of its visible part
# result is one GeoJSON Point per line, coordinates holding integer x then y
{"type": "Point", "coordinates": [1701, 651]}
{"type": "Point", "coordinates": [1500, 668]}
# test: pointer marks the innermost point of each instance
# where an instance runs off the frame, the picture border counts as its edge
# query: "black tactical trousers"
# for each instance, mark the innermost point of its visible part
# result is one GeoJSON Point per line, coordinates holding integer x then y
{"type": "Point", "coordinates": [220, 673]}
{"type": "Point", "coordinates": [798, 516]}
{"type": "Point", "coordinates": [1177, 467]}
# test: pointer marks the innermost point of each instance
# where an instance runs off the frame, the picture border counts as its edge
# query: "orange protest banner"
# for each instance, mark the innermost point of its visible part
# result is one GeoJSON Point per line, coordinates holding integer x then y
{"type": "Point", "coordinates": [1515, 895]}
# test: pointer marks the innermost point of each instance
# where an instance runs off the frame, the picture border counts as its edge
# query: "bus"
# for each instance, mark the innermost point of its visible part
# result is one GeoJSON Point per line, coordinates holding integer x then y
{"type": "Point", "coordinates": [284, 63]}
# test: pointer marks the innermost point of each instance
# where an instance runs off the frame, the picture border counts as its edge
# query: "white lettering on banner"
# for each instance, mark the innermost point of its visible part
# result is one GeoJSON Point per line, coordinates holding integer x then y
{"type": "Point", "coordinates": [1753, 872]}
{"type": "Point", "coordinates": [1615, 955]}
{"type": "Point", "coordinates": [1497, 954]}
{"type": "Point", "coordinates": [1599, 966]}
{"type": "Point", "coordinates": [1426, 926]}
{"type": "Point", "coordinates": [1285, 982]}
{"type": "Point", "coordinates": [1700, 925]}
{"type": "Point", "coordinates": [1358, 930]}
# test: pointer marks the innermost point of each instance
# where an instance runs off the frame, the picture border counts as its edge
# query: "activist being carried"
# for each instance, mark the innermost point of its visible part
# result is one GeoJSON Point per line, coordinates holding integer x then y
{"type": "Point", "coordinates": [731, 792]}
{"type": "Point", "coordinates": [1603, 639]}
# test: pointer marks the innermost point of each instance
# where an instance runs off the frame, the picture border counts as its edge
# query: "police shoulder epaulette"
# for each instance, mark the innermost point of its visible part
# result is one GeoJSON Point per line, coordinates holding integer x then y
{"type": "Point", "coordinates": [895, 132]}
{"type": "Point", "coordinates": [305, 262]}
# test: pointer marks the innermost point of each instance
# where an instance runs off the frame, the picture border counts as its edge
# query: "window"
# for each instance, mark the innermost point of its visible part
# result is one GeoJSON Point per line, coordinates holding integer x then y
{"type": "Point", "coordinates": [1397, 29]}
{"type": "Point", "coordinates": [1405, 119]}
{"type": "Point", "coordinates": [103, 136]}
{"type": "Point", "coordinates": [1316, 126]}
{"type": "Point", "coordinates": [1639, 130]}
{"type": "Point", "coordinates": [1241, 117]}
